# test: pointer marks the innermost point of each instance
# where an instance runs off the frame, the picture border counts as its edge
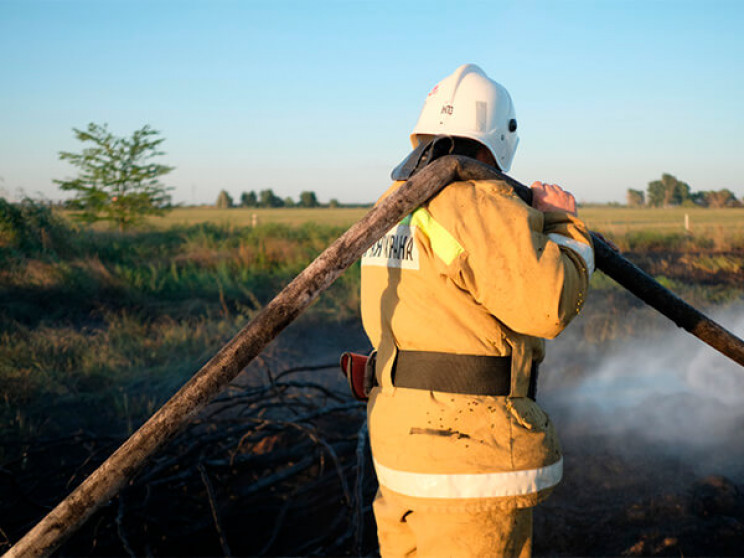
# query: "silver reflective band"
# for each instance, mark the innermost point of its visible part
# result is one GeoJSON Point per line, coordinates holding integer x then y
{"type": "Point", "coordinates": [585, 251]}
{"type": "Point", "coordinates": [479, 485]}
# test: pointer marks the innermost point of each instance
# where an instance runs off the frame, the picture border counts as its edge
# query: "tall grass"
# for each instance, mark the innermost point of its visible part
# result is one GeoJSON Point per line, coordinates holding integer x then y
{"type": "Point", "coordinates": [714, 239]}
{"type": "Point", "coordinates": [621, 220]}
{"type": "Point", "coordinates": [98, 328]}
{"type": "Point", "coordinates": [175, 271]}
{"type": "Point", "coordinates": [251, 216]}
{"type": "Point", "coordinates": [57, 378]}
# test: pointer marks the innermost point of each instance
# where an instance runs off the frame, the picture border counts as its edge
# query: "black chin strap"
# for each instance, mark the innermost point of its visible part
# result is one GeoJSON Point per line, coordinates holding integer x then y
{"type": "Point", "coordinates": [427, 152]}
{"type": "Point", "coordinates": [424, 153]}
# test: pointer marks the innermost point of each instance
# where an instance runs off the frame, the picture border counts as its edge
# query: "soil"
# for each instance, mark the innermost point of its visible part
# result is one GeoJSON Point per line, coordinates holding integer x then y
{"type": "Point", "coordinates": [614, 503]}
{"type": "Point", "coordinates": [277, 491]}
{"type": "Point", "coordinates": [692, 267]}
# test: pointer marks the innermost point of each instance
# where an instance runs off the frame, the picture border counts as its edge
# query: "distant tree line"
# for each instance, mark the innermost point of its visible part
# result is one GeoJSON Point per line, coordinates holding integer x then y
{"type": "Point", "coordinates": [267, 198]}
{"type": "Point", "coordinates": [670, 191]}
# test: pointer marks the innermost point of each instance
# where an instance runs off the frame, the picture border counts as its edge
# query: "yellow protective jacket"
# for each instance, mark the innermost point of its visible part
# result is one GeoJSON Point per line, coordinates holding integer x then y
{"type": "Point", "coordinates": [473, 271]}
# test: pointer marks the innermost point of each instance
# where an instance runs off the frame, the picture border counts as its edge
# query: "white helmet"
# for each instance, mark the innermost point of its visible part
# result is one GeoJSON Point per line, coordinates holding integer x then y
{"type": "Point", "coordinates": [470, 105]}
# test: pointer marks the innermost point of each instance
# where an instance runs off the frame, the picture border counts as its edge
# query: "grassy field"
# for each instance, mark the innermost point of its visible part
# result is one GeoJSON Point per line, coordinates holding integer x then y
{"type": "Point", "coordinates": [115, 322]}
{"type": "Point", "coordinates": [605, 219]}
{"type": "Point", "coordinates": [87, 313]}
{"type": "Point", "coordinates": [620, 220]}
{"type": "Point", "coordinates": [632, 229]}
{"type": "Point", "coordinates": [247, 217]}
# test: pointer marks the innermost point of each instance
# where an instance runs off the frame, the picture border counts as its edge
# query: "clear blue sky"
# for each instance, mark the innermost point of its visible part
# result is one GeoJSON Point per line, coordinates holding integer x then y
{"type": "Point", "coordinates": [321, 95]}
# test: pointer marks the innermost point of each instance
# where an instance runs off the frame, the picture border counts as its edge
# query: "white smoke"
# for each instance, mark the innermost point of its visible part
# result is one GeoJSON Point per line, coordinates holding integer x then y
{"type": "Point", "coordinates": [668, 393]}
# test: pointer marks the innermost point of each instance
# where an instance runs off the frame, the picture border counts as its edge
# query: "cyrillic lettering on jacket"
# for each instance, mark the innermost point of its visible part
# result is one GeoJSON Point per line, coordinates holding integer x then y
{"type": "Point", "coordinates": [396, 249]}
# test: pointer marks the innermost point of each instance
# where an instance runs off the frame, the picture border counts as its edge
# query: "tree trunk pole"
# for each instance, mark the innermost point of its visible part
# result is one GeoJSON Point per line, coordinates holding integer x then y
{"type": "Point", "coordinates": [106, 481]}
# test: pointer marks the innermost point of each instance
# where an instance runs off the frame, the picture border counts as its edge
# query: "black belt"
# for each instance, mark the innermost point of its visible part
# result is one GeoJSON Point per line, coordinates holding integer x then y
{"type": "Point", "coordinates": [465, 374]}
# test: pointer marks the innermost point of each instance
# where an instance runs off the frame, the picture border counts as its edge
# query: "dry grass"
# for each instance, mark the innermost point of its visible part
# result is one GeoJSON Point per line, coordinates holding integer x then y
{"type": "Point", "coordinates": [718, 225]}
{"type": "Point", "coordinates": [90, 321]}
{"type": "Point", "coordinates": [703, 221]}
{"type": "Point", "coordinates": [244, 217]}
{"type": "Point", "coordinates": [605, 219]}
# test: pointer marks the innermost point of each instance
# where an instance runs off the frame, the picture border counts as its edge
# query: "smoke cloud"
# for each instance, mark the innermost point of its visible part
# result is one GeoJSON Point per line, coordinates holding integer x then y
{"type": "Point", "coordinates": [667, 394]}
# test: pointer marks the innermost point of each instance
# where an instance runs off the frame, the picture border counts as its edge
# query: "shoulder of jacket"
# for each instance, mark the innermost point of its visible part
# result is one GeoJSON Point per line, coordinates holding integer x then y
{"type": "Point", "coordinates": [473, 189]}
{"type": "Point", "coordinates": [499, 187]}
{"type": "Point", "coordinates": [463, 190]}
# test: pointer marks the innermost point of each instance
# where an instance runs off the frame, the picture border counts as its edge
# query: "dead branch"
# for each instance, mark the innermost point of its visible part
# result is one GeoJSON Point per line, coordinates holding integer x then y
{"type": "Point", "coordinates": [120, 528]}
{"type": "Point", "coordinates": [252, 450]}
{"type": "Point", "coordinates": [358, 489]}
{"type": "Point", "coordinates": [213, 507]}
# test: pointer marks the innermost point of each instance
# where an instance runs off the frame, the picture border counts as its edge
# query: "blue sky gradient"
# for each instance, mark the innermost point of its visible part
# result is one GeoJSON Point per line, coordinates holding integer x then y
{"type": "Point", "coordinates": [322, 95]}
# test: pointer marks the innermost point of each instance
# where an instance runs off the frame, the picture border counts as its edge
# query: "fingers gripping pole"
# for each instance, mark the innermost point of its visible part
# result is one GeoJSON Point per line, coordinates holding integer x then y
{"type": "Point", "coordinates": [106, 481]}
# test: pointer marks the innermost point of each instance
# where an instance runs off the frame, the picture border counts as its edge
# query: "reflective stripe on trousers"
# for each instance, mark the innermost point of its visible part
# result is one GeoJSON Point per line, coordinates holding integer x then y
{"type": "Point", "coordinates": [478, 485]}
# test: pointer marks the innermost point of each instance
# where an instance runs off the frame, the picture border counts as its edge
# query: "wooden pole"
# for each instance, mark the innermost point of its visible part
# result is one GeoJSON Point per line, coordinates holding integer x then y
{"type": "Point", "coordinates": [106, 481]}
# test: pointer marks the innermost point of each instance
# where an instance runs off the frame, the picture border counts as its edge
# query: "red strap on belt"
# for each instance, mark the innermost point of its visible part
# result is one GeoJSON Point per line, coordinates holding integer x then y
{"type": "Point", "coordinates": [354, 366]}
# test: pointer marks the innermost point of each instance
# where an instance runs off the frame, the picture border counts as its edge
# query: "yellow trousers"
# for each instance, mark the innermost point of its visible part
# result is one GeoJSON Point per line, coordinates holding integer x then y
{"type": "Point", "coordinates": [404, 532]}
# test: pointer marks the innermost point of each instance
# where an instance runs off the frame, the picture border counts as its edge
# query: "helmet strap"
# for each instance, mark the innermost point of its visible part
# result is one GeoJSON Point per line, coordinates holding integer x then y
{"type": "Point", "coordinates": [429, 151]}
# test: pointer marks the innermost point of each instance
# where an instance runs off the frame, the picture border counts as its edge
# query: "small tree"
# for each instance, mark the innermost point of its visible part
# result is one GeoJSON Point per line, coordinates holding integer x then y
{"type": "Point", "coordinates": [698, 199]}
{"type": "Point", "coordinates": [117, 180]}
{"type": "Point", "coordinates": [267, 198]}
{"type": "Point", "coordinates": [308, 199]}
{"type": "Point", "coordinates": [224, 200]}
{"type": "Point", "coordinates": [635, 198]}
{"type": "Point", "coordinates": [720, 198]}
{"type": "Point", "coordinates": [334, 203]}
{"type": "Point", "coordinates": [655, 193]}
{"type": "Point", "coordinates": [667, 191]}
{"type": "Point", "coordinates": [248, 199]}
{"type": "Point", "coordinates": [30, 226]}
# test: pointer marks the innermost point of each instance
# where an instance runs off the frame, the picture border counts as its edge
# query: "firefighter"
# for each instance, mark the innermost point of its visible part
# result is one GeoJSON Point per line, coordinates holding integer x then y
{"type": "Point", "coordinates": [457, 300]}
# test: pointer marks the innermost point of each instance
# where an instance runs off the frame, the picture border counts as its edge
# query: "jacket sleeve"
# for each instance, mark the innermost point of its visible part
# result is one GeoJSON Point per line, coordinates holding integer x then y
{"type": "Point", "coordinates": [527, 268]}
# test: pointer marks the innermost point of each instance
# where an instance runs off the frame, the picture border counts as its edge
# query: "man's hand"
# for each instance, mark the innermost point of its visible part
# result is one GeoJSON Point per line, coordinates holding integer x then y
{"type": "Point", "coordinates": [551, 197]}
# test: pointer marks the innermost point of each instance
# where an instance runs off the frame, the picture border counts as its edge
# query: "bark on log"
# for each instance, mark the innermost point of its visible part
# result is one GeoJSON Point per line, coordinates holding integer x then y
{"type": "Point", "coordinates": [114, 473]}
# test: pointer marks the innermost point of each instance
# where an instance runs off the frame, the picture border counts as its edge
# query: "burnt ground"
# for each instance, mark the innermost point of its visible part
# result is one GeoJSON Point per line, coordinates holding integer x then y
{"type": "Point", "coordinates": [278, 466]}
{"type": "Point", "coordinates": [615, 503]}
{"type": "Point", "coordinates": [712, 268]}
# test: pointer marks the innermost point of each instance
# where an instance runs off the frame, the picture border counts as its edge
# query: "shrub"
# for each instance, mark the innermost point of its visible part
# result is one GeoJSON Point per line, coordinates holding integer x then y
{"type": "Point", "coordinates": [30, 227]}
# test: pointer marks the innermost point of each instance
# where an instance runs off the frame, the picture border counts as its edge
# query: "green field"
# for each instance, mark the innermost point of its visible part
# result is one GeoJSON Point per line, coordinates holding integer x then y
{"type": "Point", "coordinates": [681, 229]}
{"type": "Point", "coordinates": [246, 217]}
{"type": "Point", "coordinates": [620, 220]}
{"type": "Point", "coordinates": [90, 314]}
{"type": "Point", "coordinates": [600, 218]}
{"type": "Point", "coordinates": [605, 219]}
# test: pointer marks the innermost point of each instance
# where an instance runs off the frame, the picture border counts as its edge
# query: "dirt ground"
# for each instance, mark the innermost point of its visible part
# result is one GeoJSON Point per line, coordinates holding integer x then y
{"type": "Point", "coordinates": [650, 470]}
